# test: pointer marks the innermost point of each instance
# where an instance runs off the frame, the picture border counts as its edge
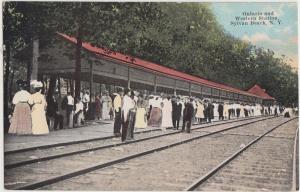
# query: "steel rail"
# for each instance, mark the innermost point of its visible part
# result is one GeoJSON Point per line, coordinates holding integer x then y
{"type": "Point", "coordinates": [295, 182]}
{"type": "Point", "coordinates": [212, 172]}
{"type": "Point", "coordinates": [102, 138]}
{"type": "Point", "coordinates": [46, 158]}
{"type": "Point", "coordinates": [69, 175]}
{"type": "Point", "coordinates": [109, 137]}
{"type": "Point", "coordinates": [68, 143]}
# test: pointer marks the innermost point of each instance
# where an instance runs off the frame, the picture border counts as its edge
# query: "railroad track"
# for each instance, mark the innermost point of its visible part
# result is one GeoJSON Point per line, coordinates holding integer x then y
{"type": "Point", "coordinates": [111, 137]}
{"type": "Point", "coordinates": [162, 170]}
{"type": "Point", "coordinates": [253, 167]}
{"type": "Point", "coordinates": [35, 155]}
{"type": "Point", "coordinates": [105, 158]}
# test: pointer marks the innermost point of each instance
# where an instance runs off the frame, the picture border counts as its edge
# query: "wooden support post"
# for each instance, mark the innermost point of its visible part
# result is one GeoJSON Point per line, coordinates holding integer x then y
{"type": "Point", "coordinates": [35, 55]}
{"type": "Point", "coordinates": [201, 92]}
{"type": "Point", "coordinates": [52, 85]}
{"type": "Point", "coordinates": [28, 77]}
{"type": "Point", "coordinates": [190, 91]}
{"type": "Point", "coordinates": [40, 78]}
{"type": "Point", "coordinates": [155, 84]}
{"type": "Point", "coordinates": [175, 87]}
{"type": "Point", "coordinates": [46, 81]}
{"type": "Point", "coordinates": [11, 84]}
{"type": "Point", "coordinates": [109, 89]}
{"type": "Point", "coordinates": [59, 87]}
{"type": "Point", "coordinates": [67, 80]}
{"type": "Point", "coordinates": [72, 87]}
{"type": "Point", "coordinates": [128, 81]}
{"type": "Point", "coordinates": [91, 79]}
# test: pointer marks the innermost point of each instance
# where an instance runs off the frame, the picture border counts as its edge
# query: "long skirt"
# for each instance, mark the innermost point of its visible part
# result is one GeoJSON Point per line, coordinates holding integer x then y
{"type": "Point", "coordinates": [130, 130]}
{"type": "Point", "coordinates": [78, 118]}
{"type": "Point", "coordinates": [128, 126]}
{"type": "Point", "coordinates": [200, 113]}
{"type": "Point", "coordinates": [140, 119]}
{"type": "Point", "coordinates": [155, 117]}
{"type": "Point", "coordinates": [98, 110]}
{"type": "Point", "coordinates": [118, 121]}
{"type": "Point", "coordinates": [92, 111]}
{"type": "Point", "coordinates": [166, 119]}
{"type": "Point", "coordinates": [39, 123]}
{"type": "Point", "coordinates": [21, 120]}
{"type": "Point", "coordinates": [105, 111]}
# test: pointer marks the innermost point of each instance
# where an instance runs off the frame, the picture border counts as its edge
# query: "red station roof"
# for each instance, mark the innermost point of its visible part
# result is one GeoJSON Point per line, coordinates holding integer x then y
{"type": "Point", "coordinates": [257, 90]}
{"type": "Point", "coordinates": [153, 67]}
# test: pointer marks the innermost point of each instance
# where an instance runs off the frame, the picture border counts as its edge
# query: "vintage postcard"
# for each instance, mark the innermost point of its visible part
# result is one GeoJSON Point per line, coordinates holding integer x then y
{"type": "Point", "coordinates": [150, 96]}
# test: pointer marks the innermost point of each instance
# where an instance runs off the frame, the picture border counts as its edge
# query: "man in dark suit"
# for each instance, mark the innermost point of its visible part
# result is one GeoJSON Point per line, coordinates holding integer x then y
{"type": "Point", "coordinates": [210, 111]}
{"type": "Point", "coordinates": [52, 112]}
{"type": "Point", "coordinates": [220, 110]}
{"type": "Point", "coordinates": [176, 113]}
{"type": "Point", "coordinates": [188, 113]}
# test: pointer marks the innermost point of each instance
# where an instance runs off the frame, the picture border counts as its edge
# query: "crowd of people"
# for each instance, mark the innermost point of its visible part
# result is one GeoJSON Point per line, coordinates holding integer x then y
{"type": "Point", "coordinates": [35, 113]}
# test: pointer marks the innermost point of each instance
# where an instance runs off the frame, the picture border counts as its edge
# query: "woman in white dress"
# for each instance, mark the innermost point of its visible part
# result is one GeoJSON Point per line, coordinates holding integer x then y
{"type": "Point", "coordinates": [141, 113]}
{"type": "Point", "coordinates": [215, 111]}
{"type": "Point", "coordinates": [106, 106]}
{"type": "Point", "coordinates": [166, 113]}
{"type": "Point", "coordinates": [21, 119]}
{"type": "Point", "coordinates": [225, 110]}
{"type": "Point", "coordinates": [200, 111]}
{"type": "Point", "coordinates": [242, 113]}
{"type": "Point", "coordinates": [156, 113]}
{"type": "Point", "coordinates": [38, 110]}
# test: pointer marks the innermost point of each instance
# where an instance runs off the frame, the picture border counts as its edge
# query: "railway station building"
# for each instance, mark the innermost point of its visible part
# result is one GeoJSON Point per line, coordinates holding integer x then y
{"type": "Point", "coordinates": [103, 66]}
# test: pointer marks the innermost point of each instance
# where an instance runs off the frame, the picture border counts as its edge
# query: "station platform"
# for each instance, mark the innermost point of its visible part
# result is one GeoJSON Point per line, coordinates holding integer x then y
{"type": "Point", "coordinates": [91, 130]}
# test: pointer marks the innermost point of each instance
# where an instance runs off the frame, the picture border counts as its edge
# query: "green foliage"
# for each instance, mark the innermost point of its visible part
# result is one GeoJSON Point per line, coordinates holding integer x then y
{"type": "Point", "coordinates": [184, 36]}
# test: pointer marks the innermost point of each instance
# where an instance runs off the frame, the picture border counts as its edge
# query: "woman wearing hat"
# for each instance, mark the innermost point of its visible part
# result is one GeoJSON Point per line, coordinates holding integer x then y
{"type": "Point", "coordinates": [21, 119]}
{"type": "Point", "coordinates": [128, 116]}
{"type": "Point", "coordinates": [106, 105]}
{"type": "Point", "coordinates": [200, 111]}
{"type": "Point", "coordinates": [141, 113]}
{"type": "Point", "coordinates": [38, 111]}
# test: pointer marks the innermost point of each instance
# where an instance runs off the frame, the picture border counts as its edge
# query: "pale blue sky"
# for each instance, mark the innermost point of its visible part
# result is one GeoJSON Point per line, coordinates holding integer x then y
{"type": "Point", "coordinates": [281, 38]}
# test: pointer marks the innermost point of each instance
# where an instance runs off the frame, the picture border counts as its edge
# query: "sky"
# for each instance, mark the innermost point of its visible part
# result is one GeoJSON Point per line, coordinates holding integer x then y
{"type": "Point", "coordinates": [281, 36]}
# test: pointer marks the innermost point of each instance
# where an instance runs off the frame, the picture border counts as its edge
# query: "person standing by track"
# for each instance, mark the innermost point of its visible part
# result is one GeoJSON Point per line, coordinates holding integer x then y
{"type": "Point", "coordinates": [38, 110]}
{"type": "Point", "coordinates": [220, 110]}
{"type": "Point", "coordinates": [188, 114]}
{"type": "Point", "coordinates": [117, 104]}
{"type": "Point", "coordinates": [200, 111]}
{"type": "Point", "coordinates": [21, 119]}
{"type": "Point", "coordinates": [141, 112]}
{"type": "Point", "coordinates": [86, 104]}
{"type": "Point", "coordinates": [177, 107]}
{"type": "Point", "coordinates": [166, 121]}
{"type": "Point", "coordinates": [78, 114]}
{"type": "Point", "coordinates": [127, 115]}
{"type": "Point", "coordinates": [53, 113]}
{"type": "Point", "coordinates": [106, 105]}
{"type": "Point", "coordinates": [98, 107]}
{"type": "Point", "coordinates": [70, 109]}
{"type": "Point", "coordinates": [156, 113]}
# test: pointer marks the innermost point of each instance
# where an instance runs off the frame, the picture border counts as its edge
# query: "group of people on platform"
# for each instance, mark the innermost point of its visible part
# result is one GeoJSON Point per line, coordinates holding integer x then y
{"type": "Point", "coordinates": [129, 109]}
{"type": "Point", "coordinates": [135, 110]}
{"type": "Point", "coordinates": [29, 117]}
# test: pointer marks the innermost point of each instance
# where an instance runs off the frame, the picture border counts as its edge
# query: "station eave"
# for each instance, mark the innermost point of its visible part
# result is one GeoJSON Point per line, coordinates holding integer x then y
{"type": "Point", "coordinates": [257, 90]}
{"type": "Point", "coordinates": [155, 67]}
